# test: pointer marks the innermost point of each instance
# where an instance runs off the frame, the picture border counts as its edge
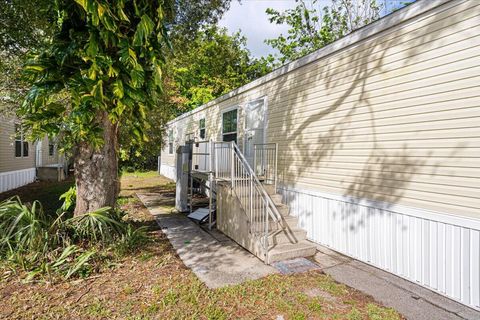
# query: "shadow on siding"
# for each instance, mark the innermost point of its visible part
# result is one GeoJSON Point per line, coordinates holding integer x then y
{"type": "Point", "coordinates": [386, 173]}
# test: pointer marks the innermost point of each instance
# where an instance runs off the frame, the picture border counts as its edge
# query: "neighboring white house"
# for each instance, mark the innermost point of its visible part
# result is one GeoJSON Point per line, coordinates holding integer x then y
{"type": "Point", "coordinates": [378, 142]}
{"type": "Point", "coordinates": [21, 159]}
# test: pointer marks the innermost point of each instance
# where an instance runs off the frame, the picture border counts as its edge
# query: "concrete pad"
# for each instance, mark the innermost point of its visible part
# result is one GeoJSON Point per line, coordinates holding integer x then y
{"type": "Point", "coordinates": [217, 261]}
{"type": "Point", "coordinates": [298, 265]}
{"type": "Point", "coordinates": [408, 298]}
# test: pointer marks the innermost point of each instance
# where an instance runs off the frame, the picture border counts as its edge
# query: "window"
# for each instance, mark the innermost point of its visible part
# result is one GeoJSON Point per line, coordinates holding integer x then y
{"type": "Point", "coordinates": [203, 132]}
{"type": "Point", "coordinates": [170, 142]}
{"type": "Point", "coordinates": [25, 148]}
{"type": "Point", "coordinates": [18, 141]}
{"type": "Point", "coordinates": [21, 146]}
{"type": "Point", "coordinates": [229, 126]}
{"type": "Point", "coordinates": [51, 149]}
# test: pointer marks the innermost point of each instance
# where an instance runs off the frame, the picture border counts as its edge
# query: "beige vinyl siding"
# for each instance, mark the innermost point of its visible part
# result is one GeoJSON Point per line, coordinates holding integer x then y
{"type": "Point", "coordinates": [393, 119]}
{"type": "Point", "coordinates": [213, 126]}
{"type": "Point", "coordinates": [47, 159]}
{"type": "Point", "coordinates": [381, 122]}
{"type": "Point", "coordinates": [8, 161]}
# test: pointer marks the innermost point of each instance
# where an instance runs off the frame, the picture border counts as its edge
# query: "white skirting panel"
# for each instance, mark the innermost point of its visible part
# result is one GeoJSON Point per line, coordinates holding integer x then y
{"type": "Point", "coordinates": [438, 251]}
{"type": "Point", "coordinates": [168, 171]}
{"type": "Point", "coordinates": [14, 179]}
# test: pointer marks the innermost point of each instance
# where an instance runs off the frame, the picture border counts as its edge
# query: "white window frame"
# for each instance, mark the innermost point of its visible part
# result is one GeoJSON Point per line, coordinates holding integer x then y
{"type": "Point", "coordinates": [232, 108]}
{"type": "Point", "coordinates": [22, 142]}
{"type": "Point", "coordinates": [51, 149]}
{"type": "Point", "coordinates": [204, 128]}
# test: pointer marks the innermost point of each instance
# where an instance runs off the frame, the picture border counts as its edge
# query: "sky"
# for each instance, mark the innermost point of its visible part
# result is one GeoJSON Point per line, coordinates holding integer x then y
{"type": "Point", "coordinates": [249, 16]}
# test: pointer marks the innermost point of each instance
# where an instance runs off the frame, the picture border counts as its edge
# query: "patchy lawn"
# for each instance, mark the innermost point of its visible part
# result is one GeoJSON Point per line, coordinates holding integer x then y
{"type": "Point", "coordinates": [154, 284]}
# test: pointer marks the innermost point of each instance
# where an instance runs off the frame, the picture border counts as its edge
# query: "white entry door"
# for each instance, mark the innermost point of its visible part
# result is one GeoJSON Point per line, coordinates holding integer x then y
{"type": "Point", "coordinates": [254, 127]}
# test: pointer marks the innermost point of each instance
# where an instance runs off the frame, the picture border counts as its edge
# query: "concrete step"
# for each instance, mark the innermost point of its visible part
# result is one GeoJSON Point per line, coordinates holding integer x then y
{"type": "Point", "coordinates": [288, 222]}
{"type": "Point", "coordinates": [283, 209]}
{"type": "Point", "coordinates": [277, 198]}
{"type": "Point", "coordinates": [291, 251]}
{"type": "Point", "coordinates": [293, 235]}
{"type": "Point", "coordinates": [245, 190]}
{"type": "Point", "coordinates": [270, 188]}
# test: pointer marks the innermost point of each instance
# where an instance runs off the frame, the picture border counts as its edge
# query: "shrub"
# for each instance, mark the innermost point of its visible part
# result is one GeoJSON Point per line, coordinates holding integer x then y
{"type": "Point", "coordinates": [69, 200]}
{"type": "Point", "coordinates": [22, 228]}
{"type": "Point", "coordinates": [61, 245]}
{"type": "Point", "coordinates": [103, 225]}
{"type": "Point", "coordinates": [131, 239]}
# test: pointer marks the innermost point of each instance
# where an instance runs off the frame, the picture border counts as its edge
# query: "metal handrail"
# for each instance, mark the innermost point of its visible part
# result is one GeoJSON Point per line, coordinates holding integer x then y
{"type": "Point", "coordinates": [230, 164]}
{"type": "Point", "coordinates": [265, 162]}
{"type": "Point", "coordinates": [277, 216]}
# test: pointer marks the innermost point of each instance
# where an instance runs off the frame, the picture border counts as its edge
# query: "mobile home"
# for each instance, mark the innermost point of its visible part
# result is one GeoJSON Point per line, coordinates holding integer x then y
{"type": "Point", "coordinates": [21, 161]}
{"type": "Point", "coordinates": [378, 139]}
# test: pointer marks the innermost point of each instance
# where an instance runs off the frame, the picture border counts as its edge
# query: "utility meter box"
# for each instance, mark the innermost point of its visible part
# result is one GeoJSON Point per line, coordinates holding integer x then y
{"type": "Point", "coordinates": [183, 169]}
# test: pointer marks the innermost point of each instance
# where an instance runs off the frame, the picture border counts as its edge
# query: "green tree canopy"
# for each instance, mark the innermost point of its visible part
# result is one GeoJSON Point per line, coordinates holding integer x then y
{"type": "Point", "coordinates": [210, 65]}
{"type": "Point", "coordinates": [24, 26]}
{"type": "Point", "coordinates": [190, 16]}
{"type": "Point", "coordinates": [312, 26]}
{"type": "Point", "coordinates": [203, 66]}
{"type": "Point", "coordinates": [104, 65]}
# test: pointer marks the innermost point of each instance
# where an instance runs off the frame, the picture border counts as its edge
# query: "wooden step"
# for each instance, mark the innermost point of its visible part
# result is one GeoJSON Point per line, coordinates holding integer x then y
{"type": "Point", "coordinates": [291, 251]}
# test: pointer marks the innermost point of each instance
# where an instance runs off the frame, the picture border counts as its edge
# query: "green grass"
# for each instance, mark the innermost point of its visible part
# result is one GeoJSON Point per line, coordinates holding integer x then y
{"type": "Point", "coordinates": [376, 312]}
{"type": "Point", "coordinates": [140, 174]}
{"type": "Point", "coordinates": [98, 309]}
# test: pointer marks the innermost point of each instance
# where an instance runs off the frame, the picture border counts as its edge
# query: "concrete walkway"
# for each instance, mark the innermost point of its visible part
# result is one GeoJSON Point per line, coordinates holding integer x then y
{"type": "Point", "coordinates": [214, 258]}
{"type": "Point", "coordinates": [411, 300]}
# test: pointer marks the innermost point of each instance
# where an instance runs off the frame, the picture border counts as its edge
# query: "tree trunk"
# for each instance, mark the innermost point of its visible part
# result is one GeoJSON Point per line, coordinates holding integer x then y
{"type": "Point", "coordinates": [96, 171]}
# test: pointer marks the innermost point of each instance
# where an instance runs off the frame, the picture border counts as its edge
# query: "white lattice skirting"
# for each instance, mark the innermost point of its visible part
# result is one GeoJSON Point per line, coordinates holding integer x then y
{"type": "Point", "coordinates": [168, 171]}
{"type": "Point", "coordinates": [14, 179]}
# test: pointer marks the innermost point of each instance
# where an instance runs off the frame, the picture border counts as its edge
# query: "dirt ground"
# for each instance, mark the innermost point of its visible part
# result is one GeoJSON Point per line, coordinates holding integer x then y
{"type": "Point", "coordinates": [45, 191]}
{"type": "Point", "coordinates": [153, 283]}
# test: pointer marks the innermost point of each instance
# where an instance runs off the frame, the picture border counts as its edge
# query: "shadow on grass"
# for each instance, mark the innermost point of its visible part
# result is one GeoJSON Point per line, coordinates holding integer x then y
{"type": "Point", "coordinates": [47, 192]}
